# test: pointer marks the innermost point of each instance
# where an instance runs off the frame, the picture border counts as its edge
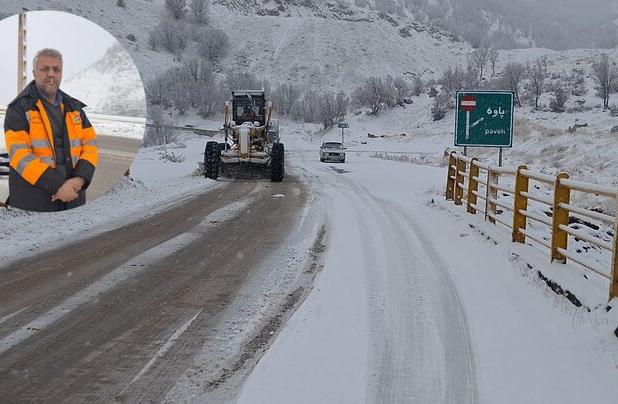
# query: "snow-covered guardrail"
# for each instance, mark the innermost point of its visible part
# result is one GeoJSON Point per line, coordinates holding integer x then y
{"type": "Point", "coordinates": [4, 173]}
{"type": "Point", "coordinates": [465, 175]}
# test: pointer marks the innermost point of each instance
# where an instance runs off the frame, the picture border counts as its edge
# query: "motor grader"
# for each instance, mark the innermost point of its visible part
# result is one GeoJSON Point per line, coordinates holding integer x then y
{"type": "Point", "coordinates": [251, 139]}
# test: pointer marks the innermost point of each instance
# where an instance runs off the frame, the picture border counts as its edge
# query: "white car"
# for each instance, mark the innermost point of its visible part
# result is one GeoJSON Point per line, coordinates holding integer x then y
{"type": "Point", "coordinates": [332, 151]}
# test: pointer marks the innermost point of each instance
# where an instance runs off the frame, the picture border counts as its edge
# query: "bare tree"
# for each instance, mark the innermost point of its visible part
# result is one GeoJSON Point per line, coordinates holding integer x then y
{"type": "Point", "coordinates": [176, 8]}
{"type": "Point", "coordinates": [511, 78]}
{"type": "Point", "coordinates": [312, 101]}
{"type": "Point", "coordinates": [154, 91]}
{"type": "Point", "coordinates": [285, 97]}
{"type": "Point", "coordinates": [330, 109]}
{"type": "Point", "coordinates": [309, 106]}
{"type": "Point", "coordinates": [265, 85]}
{"type": "Point", "coordinates": [153, 39]}
{"type": "Point", "coordinates": [199, 11]}
{"type": "Point", "coordinates": [192, 66]}
{"type": "Point", "coordinates": [342, 103]}
{"type": "Point", "coordinates": [478, 60]}
{"type": "Point", "coordinates": [326, 109]}
{"type": "Point", "coordinates": [493, 58]}
{"type": "Point", "coordinates": [278, 99]}
{"type": "Point", "coordinates": [213, 44]}
{"type": "Point", "coordinates": [559, 100]}
{"type": "Point", "coordinates": [160, 129]}
{"type": "Point", "coordinates": [577, 82]}
{"type": "Point", "coordinates": [537, 75]}
{"type": "Point", "coordinates": [291, 95]}
{"type": "Point", "coordinates": [182, 35]}
{"type": "Point", "coordinates": [213, 96]}
{"type": "Point", "coordinates": [181, 84]}
{"type": "Point", "coordinates": [440, 106]}
{"type": "Point", "coordinates": [388, 91]}
{"type": "Point", "coordinates": [470, 80]}
{"type": "Point", "coordinates": [401, 90]}
{"type": "Point", "coordinates": [452, 80]}
{"type": "Point", "coordinates": [169, 34]}
{"type": "Point", "coordinates": [417, 86]}
{"type": "Point", "coordinates": [373, 94]}
{"type": "Point", "coordinates": [605, 75]}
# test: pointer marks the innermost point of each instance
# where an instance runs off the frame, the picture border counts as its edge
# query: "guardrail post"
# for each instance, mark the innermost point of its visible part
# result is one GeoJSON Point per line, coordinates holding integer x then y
{"type": "Point", "coordinates": [560, 238]}
{"type": "Point", "coordinates": [613, 287]}
{"type": "Point", "coordinates": [473, 185]}
{"type": "Point", "coordinates": [459, 180]}
{"type": "Point", "coordinates": [520, 203]}
{"type": "Point", "coordinates": [491, 192]}
{"type": "Point", "coordinates": [450, 176]}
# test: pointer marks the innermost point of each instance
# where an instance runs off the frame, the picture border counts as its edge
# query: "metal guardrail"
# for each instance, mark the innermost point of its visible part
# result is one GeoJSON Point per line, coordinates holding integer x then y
{"type": "Point", "coordinates": [464, 177]}
{"type": "Point", "coordinates": [4, 164]}
{"type": "Point", "coordinates": [4, 173]}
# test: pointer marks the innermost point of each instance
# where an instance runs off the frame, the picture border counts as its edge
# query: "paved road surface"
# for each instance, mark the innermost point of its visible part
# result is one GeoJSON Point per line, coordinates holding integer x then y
{"type": "Point", "coordinates": [120, 316]}
{"type": "Point", "coordinates": [115, 157]}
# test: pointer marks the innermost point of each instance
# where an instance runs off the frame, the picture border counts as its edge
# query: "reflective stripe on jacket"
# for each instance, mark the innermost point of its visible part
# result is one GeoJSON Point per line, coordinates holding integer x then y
{"type": "Point", "coordinates": [30, 144]}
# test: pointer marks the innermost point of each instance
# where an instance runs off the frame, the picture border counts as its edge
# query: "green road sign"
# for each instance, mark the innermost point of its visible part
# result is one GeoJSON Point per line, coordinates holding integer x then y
{"type": "Point", "coordinates": [342, 125]}
{"type": "Point", "coordinates": [484, 119]}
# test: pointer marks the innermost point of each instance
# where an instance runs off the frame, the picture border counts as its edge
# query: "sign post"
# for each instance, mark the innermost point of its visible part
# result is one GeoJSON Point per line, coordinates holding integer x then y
{"type": "Point", "coordinates": [484, 119]}
{"type": "Point", "coordinates": [21, 53]}
{"type": "Point", "coordinates": [342, 125]}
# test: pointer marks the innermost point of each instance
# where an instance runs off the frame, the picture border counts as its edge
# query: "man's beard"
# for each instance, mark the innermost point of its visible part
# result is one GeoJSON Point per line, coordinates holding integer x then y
{"type": "Point", "coordinates": [50, 89]}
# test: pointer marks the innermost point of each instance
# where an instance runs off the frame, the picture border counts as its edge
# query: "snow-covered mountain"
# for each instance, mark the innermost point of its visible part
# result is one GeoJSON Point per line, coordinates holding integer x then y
{"type": "Point", "coordinates": [112, 85]}
{"type": "Point", "coordinates": [320, 44]}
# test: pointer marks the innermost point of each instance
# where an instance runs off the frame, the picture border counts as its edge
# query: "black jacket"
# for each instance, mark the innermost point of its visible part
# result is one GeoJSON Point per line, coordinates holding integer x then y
{"type": "Point", "coordinates": [33, 174]}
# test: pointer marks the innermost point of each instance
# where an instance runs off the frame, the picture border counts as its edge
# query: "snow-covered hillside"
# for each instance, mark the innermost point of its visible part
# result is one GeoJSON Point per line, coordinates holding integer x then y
{"type": "Point", "coordinates": [110, 86]}
{"type": "Point", "coordinates": [318, 44]}
{"type": "Point", "coordinates": [335, 54]}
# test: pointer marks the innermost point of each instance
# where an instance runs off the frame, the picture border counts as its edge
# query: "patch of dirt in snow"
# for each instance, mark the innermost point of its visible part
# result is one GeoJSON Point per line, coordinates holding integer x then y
{"type": "Point", "coordinates": [260, 342]}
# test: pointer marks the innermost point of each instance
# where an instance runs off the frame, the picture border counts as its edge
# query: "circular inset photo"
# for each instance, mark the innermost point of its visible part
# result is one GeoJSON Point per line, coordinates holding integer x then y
{"type": "Point", "coordinates": [72, 111]}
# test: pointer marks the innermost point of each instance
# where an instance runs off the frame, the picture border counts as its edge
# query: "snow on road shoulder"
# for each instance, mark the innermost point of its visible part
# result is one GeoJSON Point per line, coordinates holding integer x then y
{"type": "Point", "coordinates": [155, 184]}
{"type": "Point", "coordinates": [250, 322]}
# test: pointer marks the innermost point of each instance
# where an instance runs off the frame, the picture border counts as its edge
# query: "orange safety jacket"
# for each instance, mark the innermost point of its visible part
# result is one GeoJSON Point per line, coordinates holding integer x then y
{"type": "Point", "coordinates": [30, 144]}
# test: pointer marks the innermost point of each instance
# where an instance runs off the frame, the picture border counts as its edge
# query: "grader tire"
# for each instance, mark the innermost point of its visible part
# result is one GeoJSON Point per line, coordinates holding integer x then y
{"type": "Point", "coordinates": [277, 165]}
{"type": "Point", "coordinates": [212, 160]}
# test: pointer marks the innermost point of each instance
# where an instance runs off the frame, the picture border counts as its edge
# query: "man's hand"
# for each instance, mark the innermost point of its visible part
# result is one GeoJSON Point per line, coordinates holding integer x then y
{"type": "Point", "coordinates": [68, 191]}
{"type": "Point", "coordinates": [77, 183]}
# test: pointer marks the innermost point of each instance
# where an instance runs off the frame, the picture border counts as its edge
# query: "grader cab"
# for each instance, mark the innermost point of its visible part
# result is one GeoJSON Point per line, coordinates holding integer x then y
{"type": "Point", "coordinates": [251, 138]}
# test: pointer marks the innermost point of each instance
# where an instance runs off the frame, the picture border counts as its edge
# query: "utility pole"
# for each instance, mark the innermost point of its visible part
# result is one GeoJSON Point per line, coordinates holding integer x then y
{"type": "Point", "coordinates": [22, 61]}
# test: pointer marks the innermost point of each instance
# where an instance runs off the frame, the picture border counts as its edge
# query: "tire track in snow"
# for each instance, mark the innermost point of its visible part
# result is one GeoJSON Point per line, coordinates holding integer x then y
{"type": "Point", "coordinates": [421, 343]}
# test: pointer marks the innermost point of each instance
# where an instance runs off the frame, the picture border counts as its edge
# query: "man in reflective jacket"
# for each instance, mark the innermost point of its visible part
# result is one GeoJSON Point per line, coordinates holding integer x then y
{"type": "Point", "coordinates": [51, 144]}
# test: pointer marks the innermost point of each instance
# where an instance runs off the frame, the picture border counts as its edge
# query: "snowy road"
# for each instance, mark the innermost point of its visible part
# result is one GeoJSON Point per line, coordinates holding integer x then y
{"type": "Point", "coordinates": [416, 305]}
{"type": "Point", "coordinates": [346, 283]}
{"type": "Point", "coordinates": [402, 326]}
{"type": "Point", "coordinates": [121, 315]}
{"type": "Point", "coordinates": [421, 353]}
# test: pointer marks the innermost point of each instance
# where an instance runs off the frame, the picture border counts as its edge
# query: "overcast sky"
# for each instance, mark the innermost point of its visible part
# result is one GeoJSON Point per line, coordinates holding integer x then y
{"type": "Point", "coordinates": [80, 41]}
